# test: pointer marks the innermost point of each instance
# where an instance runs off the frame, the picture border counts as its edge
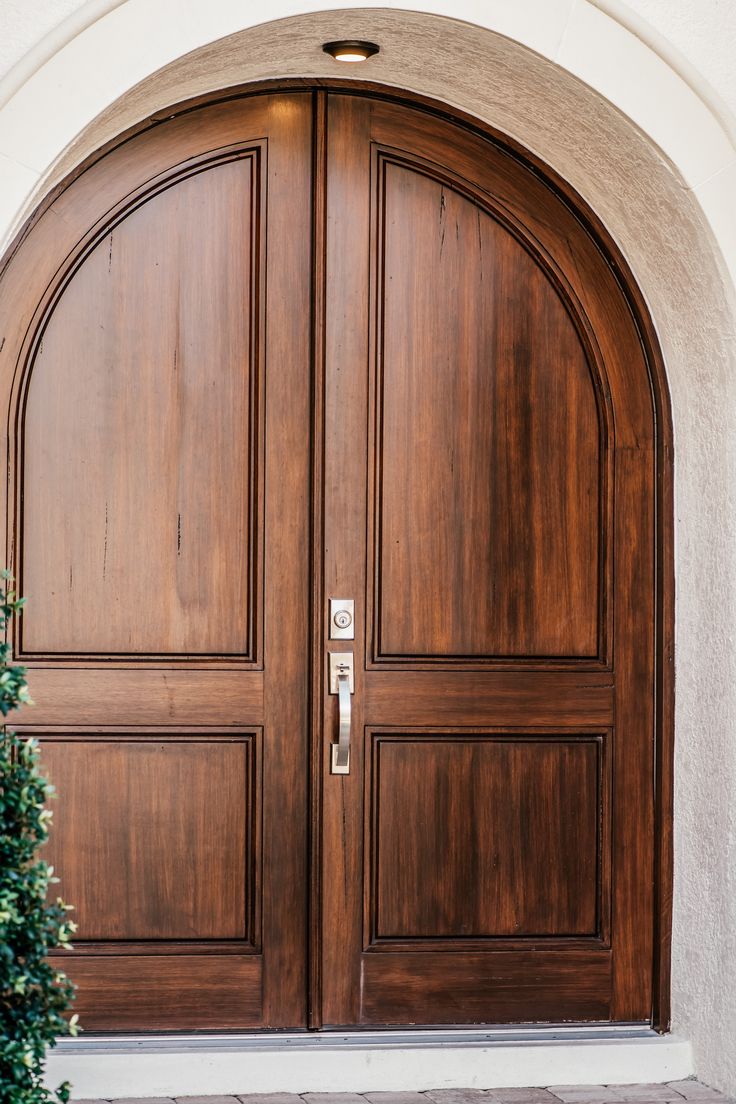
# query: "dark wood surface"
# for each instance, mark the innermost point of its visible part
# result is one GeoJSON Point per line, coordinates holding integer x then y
{"type": "Point", "coordinates": [478, 368]}
{"type": "Point", "coordinates": [158, 490]}
{"type": "Point", "coordinates": [163, 414]}
{"type": "Point", "coordinates": [496, 586]}
{"type": "Point", "coordinates": [167, 993]}
{"type": "Point", "coordinates": [482, 467]}
{"type": "Point", "coordinates": [495, 987]}
{"type": "Point", "coordinates": [474, 836]}
{"type": "Point", "coordinates": [166, 862]}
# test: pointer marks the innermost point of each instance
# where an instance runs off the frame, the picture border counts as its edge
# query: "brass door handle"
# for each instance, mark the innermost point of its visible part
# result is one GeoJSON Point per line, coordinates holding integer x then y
{"type": "Point", "coordinates": [342, 683]}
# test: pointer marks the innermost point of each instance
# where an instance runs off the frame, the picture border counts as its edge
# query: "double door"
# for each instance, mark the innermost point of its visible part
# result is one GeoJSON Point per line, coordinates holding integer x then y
{"type": "Point", "coordinates": [312, 373]}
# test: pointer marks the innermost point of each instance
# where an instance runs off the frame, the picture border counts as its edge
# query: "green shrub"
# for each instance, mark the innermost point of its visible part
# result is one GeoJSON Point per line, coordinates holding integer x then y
{"type": "Point", "coordinates": [33, 996]}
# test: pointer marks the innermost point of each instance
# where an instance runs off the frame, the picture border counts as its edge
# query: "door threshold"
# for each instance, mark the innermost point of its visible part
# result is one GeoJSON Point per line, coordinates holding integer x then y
{"type": "Point", "coordinates": [503, 1035]}
{"type": "Point", "coordinates": [141, 1066]}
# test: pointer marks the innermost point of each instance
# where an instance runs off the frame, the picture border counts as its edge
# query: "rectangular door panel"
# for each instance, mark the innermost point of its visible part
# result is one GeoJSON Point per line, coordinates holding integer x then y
{"type": "Point", "coordinates": [157, 839]}
{"type": "Point", "coordinates": [119, 695]}
{"type": "Point", "coordinates": [476, 836]}
{"type": "Point", "coordinates": [486, 988]}
{"type": "Point", "coordinates": [471, 697]}
{"type": "Point", "coordinates": [167, 993]}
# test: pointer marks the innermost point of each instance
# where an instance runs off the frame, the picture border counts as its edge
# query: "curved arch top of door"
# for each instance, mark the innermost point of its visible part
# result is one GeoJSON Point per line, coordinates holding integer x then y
{"type": "Point", "coordinates": [485, 476]}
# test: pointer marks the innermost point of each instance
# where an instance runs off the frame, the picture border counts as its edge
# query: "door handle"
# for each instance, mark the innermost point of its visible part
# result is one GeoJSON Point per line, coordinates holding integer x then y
{"type": "Point", "coordinates": [342, 683]}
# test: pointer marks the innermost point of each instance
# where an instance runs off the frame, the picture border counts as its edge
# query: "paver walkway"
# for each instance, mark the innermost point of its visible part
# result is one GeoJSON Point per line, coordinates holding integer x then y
{"type": "Point", "coordinates": [676, 1092]}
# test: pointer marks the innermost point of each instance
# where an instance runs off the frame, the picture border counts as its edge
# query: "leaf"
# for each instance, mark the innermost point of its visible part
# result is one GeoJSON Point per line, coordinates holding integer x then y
{"type": "Point", "coordinates": [34, 997]}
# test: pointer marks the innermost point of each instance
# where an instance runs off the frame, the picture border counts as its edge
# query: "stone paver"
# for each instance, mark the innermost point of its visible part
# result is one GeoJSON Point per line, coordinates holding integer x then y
{"type": "Point", "coordinates": [269, 1098]}
{"type": "Point", "coordinates": [209, 1099]}
{"type": "Point", "coordinates": [695, 1090]}
{"type": "Point", "coordinates": [586, 1094]}
{"type": "Point", "coordinates": [523, 1096]}
{"type": "Point", "coordinates": [458, 1096]}
{"type": "Point", "coordinates": [333, 1098]}
{"type": "Point", "coordinates": [396, 1098]}
{"type": "Point", "coordinates": [647, 1092]}
{"type": "Point", "coordinates": [144, 1100]}
{"type": "Point", "coordinates": [674, 1092]}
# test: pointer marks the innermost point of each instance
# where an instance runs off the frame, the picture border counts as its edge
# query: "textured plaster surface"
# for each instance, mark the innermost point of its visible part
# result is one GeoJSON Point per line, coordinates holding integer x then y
{"type": "Point", "coordinates": [704, 31]}
{"type": "Point", "coordinates": [662, 231]}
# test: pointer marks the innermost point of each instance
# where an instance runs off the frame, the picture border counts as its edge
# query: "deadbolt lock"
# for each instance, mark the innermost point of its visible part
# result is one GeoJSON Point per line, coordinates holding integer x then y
{"type": "Point", "coordinates": [342, 611]}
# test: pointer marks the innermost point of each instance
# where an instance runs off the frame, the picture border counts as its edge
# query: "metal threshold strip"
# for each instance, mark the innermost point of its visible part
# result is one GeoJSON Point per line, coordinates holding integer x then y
{"type": "Point", "coordinates": [356, 1040]}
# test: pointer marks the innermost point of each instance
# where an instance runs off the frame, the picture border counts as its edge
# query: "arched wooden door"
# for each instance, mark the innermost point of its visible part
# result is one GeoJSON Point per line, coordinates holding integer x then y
{"type": "Point", "coordinates": [297, 347]}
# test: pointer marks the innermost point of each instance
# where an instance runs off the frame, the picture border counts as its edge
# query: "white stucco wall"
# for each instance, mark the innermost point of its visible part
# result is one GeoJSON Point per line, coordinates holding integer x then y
{"type": "Point", "coordinates": [635, 105]}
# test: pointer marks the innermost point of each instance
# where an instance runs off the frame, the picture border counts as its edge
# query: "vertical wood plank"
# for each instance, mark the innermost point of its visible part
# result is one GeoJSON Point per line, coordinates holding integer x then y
{"type": "Point", "coordinates": [287, 634]}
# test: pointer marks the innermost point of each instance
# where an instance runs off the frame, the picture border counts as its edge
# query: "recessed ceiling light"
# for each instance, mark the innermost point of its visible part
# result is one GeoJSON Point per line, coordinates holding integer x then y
{"type": "Point", "coordinates": [350, 50]}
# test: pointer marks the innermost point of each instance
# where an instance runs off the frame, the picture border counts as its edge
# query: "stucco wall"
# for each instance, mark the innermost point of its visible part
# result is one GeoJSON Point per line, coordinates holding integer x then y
{"type": "Point", "coordinates": [704, 31]}
{"type": "Point", "coordinates": [649, 174]}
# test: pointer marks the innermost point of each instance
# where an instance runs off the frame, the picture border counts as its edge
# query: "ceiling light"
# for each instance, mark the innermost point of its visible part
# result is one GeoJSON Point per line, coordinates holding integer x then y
{"type": "Point", "coordinates": [350, 50]}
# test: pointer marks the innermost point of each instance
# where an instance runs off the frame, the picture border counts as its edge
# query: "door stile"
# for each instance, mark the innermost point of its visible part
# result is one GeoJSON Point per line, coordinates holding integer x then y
{"type": "Point", "coordinates": [345, 438]}
{"type": "Point", "coordinates": [287, 632]}
{"type": "Point", "coordinates": [317, 612]}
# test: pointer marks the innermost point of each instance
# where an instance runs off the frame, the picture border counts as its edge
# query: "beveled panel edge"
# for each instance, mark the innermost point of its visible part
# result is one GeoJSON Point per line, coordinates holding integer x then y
{"type": "Point", "coordinates": [253, 150]}
{"type": "Point", "coordinates": [249, 735]}
{"type": "Point", "coordinates": [381, 156]}
{"type": "Point", "coordinates": [600, 735]}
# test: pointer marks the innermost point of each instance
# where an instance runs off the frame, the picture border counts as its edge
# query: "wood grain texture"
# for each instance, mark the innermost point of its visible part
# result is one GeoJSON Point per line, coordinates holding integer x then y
{"type": "Point", "coordinates": [287, 634]}
{"type": "Point", "coordinates": [169, 993]}
{"type": "Point", "coordinates": [450, 373]}
{"type": "Point", "coordinates": [596, 667]}
{"type": "Point", "coordinates": [634, 767]}
{"type": "Point", "coordinates": [471, 697]}
{"type": "Point", "coordinates": [156, 839]}
{"type": "Point", "coordinates": [143, 392]}
{"type": "Point", "coordinates": [485, 988]}
{"type": "Point", "coordinates": [343, 561]}
{"type": "Point", "coordinates": [159, 476]}
{"type": "Point", "coordinates": [117, 695]}
{"type": "Point", "coordinates": [479, 366]}
{"type": "Point", "coordinates": [495, 835]}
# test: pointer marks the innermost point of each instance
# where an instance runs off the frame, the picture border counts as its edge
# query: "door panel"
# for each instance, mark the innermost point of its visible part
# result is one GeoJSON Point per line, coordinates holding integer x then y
{"type": "Point", "coordinates": [156, 423]}
{"type": "Point", "coordinates": [465, 989]}
{"type": "Point", "coordinates": [471, 454]}
{"type": "Point", "coordinates": [159, 480]}
{"type": "Point", "coordinates": [156, 867]}
{"type": "Point", "coordinates": [478, 365]}
{"type": "Point", "coordinates": [483, 836]}
{"type": "Point", "coordinates": [171, 993]}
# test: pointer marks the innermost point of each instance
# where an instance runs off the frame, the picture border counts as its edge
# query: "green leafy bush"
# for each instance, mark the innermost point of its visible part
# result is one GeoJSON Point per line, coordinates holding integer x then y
{"type": "Point", "coordinates": [33, 996]}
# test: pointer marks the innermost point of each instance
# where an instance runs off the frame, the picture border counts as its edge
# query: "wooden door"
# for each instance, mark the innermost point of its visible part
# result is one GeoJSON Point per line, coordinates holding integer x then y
{"type": "Point", "coordinates": [296, 347]}
{"type": "Point", "coordinates": [156, 326]}
{"type": "Point", "coordinates": [489, 505]}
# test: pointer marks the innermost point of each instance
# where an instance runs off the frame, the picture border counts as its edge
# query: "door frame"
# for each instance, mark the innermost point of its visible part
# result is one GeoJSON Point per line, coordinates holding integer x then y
{"type": "Point", "coordinates": [664, 486]}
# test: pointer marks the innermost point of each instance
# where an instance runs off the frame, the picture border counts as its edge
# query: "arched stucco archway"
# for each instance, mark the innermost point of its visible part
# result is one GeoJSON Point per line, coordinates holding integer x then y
{"type": "Point", "coordinates": [653, 161]}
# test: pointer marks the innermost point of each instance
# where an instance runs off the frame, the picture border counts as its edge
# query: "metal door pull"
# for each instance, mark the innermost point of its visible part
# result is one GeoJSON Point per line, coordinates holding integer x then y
{"type": "Point", "coordinates": [342, 683]}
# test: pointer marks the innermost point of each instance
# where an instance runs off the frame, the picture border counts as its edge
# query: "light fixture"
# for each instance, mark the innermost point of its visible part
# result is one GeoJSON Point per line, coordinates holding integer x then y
{"type": "Point", "coordinates": [350, 50]}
